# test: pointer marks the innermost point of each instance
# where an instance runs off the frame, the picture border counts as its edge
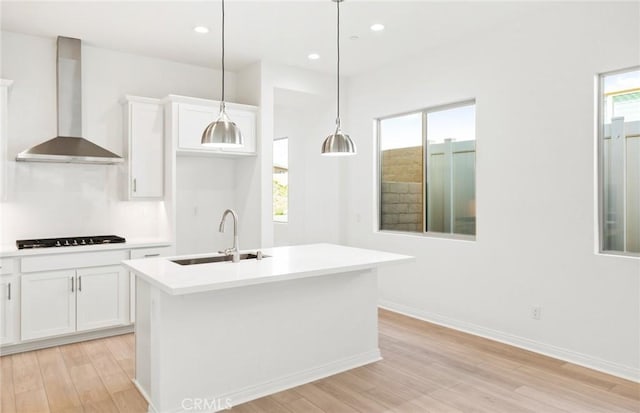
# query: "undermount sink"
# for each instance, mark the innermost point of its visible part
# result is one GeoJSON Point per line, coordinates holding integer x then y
{"type": "Point", "coordinates": [217, 258]}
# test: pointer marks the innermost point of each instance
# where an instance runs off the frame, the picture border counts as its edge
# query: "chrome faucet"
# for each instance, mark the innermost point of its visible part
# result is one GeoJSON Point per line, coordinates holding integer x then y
{"type": "Point", "coordinates": [233, 251]}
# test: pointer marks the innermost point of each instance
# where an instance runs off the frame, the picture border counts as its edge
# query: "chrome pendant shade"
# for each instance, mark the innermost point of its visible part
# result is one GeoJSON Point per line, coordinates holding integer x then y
{"type": "Point", "coordinates": [338, 143]}
{"type": "Point", "coordinates": [223, 132]}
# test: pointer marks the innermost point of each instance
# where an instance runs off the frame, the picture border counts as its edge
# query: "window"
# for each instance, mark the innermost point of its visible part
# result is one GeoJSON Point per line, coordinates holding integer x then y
{"type": "Point", "coordinates": [619, 152]}
{"type": "Point", "coordinates": [281, 180]}
{"type": "Point", "coordinates": [427, 171]}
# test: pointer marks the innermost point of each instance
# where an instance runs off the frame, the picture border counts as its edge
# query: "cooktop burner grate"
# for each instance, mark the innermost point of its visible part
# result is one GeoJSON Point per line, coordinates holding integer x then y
{"type": "Point", "coordinates": [69, 241]}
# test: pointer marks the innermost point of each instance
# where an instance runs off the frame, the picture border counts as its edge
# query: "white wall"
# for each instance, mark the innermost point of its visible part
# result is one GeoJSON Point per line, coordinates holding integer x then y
{"type": "Point", "coordinates": [324, 220]}
{"type": "Point", "coordinates": [205, 187]}
{"type": "Point", "coordinates": [533, 81]}
{"type": "Point", "coordinates": [306, 119]}
{"type": "Point", "coordinates": [249, 202]}
{"type": "Point", "coordinates": [59, 199]}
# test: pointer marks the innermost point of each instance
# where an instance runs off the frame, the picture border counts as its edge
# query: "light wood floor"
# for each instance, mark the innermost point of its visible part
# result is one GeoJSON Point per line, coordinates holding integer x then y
{"type": "Point", "coordinates": [426, 368]}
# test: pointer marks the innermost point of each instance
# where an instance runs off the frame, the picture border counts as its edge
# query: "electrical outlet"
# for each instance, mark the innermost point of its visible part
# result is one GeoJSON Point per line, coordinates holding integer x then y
{"type": "Point", "coordinates": [536, 312]}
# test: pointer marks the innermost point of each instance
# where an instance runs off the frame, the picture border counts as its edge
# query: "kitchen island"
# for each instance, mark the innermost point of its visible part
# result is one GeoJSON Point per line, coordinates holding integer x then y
{"type": "Point", "coordinates": [219, 334]}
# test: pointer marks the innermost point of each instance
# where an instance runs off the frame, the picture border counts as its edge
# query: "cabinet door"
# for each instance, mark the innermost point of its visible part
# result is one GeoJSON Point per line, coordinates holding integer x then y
{"type": "Point", "coordinates": [103, 297]}
{"type": "Point", "coordinates": [48, 304]}
{"type": "Point", "coordinates": [8, 300]}
{"type": "Point", "coordinates": [146, 150]}
{"type": "Point", "coordinates": [245, 120]}
{"type": "Point", "coordinates": [192, 121]}
{"type": "Point", "coordinates": [4, 135]}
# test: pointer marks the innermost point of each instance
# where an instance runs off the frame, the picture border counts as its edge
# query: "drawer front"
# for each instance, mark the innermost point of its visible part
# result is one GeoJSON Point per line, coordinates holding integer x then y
{"type": "Point", "coordinates": [6, 265]}
{"type": "Point", "coordinates": [78, 260]}
{"type": "Point", "coordinates": [150, 252]}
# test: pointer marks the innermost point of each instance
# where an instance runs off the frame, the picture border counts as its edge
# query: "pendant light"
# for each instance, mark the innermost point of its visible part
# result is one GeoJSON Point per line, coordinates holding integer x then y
{"type": "Point", "coordinates": [338, 143]}
{"type": "Point", "coordinates": [223, 132]}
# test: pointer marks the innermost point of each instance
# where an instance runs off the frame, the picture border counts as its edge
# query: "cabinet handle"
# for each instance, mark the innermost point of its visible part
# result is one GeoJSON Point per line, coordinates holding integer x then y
{"type": "Point", "coordinates": [151, 255]}
{"type": "Point", "coordinates": [72, 281]}
{"type": "Point", "coordinates": [135, 185]}
{"type": "Point", "coordinates": [80, 283]}
{"type": "Point", "coordinates": [9, 293]}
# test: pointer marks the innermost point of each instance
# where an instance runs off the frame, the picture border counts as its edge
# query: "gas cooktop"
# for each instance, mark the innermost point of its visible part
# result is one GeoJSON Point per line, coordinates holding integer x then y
{"type": "Point", "coordinates": [69, 242]}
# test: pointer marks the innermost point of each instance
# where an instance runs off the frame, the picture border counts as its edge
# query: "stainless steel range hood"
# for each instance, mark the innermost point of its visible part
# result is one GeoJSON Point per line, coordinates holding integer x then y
{"type": "Point", "coordinates": [69, 146]}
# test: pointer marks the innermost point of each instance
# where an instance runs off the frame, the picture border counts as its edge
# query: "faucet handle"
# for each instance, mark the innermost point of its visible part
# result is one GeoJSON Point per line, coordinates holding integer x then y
{"type": "Point", "coordinates": [226, 251]}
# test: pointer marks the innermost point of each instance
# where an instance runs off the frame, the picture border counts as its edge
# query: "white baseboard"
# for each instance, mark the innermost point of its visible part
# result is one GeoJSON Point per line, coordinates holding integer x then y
{"type": "Point", "coordinates": [145, 395]}
{"type": "Point", "coordinates": [304, 377]}
{"type": "Point", "coordinates": [560, 353]}
{"type": "Point", "coordinates": [283, 383]}
{"type": "Point", "coordinates": [62, 340]}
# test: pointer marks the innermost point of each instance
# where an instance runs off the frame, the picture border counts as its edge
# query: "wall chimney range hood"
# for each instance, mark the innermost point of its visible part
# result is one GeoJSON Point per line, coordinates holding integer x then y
{"type": "Point", "coordinates": [69, 146]}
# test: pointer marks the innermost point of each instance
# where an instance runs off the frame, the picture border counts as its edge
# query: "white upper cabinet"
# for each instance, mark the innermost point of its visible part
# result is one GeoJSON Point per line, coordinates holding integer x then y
{"type": "Point", "coordinates": [4, 108]}
{"type": "Point", "coordinates": [192, 121]}
{"type": "Point", "coordinates": [144, 126]}
{"type": "Point", "coordinates": [246, 120]}
{"type": "Point", "coordinates": [190, 117]}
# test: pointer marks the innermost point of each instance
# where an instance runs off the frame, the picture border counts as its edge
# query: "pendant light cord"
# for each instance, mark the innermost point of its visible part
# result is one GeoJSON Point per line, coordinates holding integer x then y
{"type": "Point", "coordinates": [338, 65]}
{"type": "Point", "coordinates": [222, 52]}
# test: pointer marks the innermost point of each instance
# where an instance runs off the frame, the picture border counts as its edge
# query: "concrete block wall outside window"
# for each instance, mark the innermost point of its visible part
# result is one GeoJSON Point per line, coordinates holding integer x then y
{"type": "Point", "coordinates": [427, 171]}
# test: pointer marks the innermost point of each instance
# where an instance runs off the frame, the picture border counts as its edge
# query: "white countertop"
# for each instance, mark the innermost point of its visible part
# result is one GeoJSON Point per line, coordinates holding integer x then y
{"type": "Point", "coordinates": [13, 251]}
{"type": "Point", "coordinates": [284, 263]}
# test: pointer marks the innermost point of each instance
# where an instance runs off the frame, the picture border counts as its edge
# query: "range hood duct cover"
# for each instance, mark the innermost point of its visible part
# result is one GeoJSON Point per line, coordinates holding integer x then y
{"type": "Point", "coordinates": [69, 146]}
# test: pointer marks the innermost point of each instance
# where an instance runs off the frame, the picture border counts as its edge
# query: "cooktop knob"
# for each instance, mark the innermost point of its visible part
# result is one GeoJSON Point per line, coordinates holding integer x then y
{"type": "Point", "coordinates": [75, 242]}
{"type": "Point", "coordinates": [83, 242]}
{"type": "Point", "coordinates": [58, 243]}
{"type": "Point", "coordinates": [66, 243]}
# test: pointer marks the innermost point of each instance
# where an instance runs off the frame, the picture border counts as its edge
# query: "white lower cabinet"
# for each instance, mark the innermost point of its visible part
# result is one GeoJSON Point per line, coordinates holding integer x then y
{"type": "Point", "coordinates": [48, 305]}
{"type": "Point", "coordinates": [61, 302]}
{"type": "Point", "coordinates": [137, 254]}
{"type": "Point", "coordinates": [8, 302]}
{"type": "Point", "coordinates": [102, 297]}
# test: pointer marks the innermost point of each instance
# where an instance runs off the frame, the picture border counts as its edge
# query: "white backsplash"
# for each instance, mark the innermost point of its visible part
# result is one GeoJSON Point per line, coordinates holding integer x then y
{"type": "Point", "coordinates": [54, 200]}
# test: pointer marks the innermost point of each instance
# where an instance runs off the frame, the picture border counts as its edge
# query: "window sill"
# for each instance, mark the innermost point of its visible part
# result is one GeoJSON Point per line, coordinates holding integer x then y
{"type": "Point", "coordinates": [451, 237]}
{"type": "Point", "coordinates": [620, 254]}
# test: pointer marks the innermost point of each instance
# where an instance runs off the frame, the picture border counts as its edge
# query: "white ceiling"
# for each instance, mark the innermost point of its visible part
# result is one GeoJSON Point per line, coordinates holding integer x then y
{"type": "Point", "coordinates": [279, 31]}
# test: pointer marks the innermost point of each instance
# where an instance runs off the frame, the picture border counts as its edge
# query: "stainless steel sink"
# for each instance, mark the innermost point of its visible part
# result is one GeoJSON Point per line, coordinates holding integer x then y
{"type": "Point", "coordinates": [217, 258]}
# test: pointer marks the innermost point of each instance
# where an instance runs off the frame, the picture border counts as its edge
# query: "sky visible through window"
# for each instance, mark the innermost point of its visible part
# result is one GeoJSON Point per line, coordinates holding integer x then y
{"type": "Point", "coordinates": [622, 96]}
{"type": "Point", "coordinates": [456, 123]}
{"type": "Point", "coordinates": [622, 81]}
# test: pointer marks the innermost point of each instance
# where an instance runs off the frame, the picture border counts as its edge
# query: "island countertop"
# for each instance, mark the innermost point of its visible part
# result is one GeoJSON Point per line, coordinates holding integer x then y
{"type": "Point", "coordinates": [283, 263]}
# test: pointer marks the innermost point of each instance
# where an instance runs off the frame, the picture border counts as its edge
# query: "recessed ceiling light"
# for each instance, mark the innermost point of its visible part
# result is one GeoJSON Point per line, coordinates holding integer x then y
{"type": "Point", "coordinates": [377, 27]}
{"type": "Point", "coordinates": [313, 56]}
{"type": "Point", "coordinates": [201, 29]}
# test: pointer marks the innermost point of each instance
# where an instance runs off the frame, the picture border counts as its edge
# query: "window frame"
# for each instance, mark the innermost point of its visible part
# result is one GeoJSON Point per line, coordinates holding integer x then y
{"type": "Point", "coordinates": [273, 215]}
{"type": "Point", "coordinates": [425, 156]}
{"type": "Point", "coordinates": [600, 135]}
